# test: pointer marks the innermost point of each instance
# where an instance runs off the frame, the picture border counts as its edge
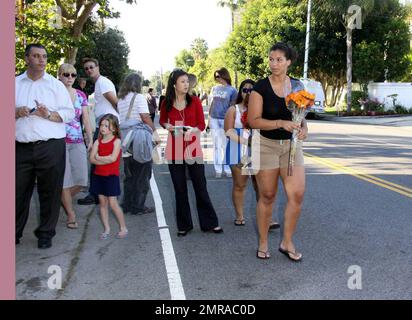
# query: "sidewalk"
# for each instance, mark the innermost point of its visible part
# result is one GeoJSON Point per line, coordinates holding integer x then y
{"type": "Point", "coordinates": [389, 120]}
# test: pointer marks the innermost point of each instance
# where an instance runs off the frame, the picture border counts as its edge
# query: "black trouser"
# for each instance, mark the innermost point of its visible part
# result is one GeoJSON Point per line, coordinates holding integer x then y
{"type": "Point", "coordinates": [207, 214]}
{"type": "Point", "coordinates": [152, 116]}
{"type": "Point", "coordinates": [45, 161]}
{"type": "Point", "coordinates": [136, 184]}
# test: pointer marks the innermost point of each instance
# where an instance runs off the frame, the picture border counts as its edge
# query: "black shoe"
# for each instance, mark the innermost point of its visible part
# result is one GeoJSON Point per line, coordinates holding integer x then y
{"type": "Point", "coordinates": [183, 232]}
{"type": "Point", "coordinates": [146, 210]}
{"type": "Point", "coordinates": [88, 200]}
{"type": "Point", "coordinates": [274, 225]}
{"type": "Point", "coordinates": [215, 230]}
{"type": "Point", "coordinates": [44, 243]}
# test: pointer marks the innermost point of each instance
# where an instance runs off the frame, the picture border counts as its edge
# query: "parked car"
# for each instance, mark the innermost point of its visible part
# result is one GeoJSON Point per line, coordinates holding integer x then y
{"type": "Point", "coordinates": [315, 87]}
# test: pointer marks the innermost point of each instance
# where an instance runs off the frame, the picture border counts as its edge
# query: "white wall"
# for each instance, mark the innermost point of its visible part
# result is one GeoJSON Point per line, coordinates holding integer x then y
{"type": "Point", "coordinates": [381, 91]}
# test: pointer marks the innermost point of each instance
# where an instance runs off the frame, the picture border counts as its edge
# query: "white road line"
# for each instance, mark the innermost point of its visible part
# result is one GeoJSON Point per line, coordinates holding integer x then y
{"type": "Point", "coordinates": [173, 275]}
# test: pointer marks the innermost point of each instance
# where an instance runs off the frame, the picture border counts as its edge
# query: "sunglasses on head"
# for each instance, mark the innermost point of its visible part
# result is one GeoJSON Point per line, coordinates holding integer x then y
{"type": "Point", "coordinates": [87, 68]}
{"type": "Point", "coordinates": [247, 90]}
{"type": "Point", "coordinates": [217, 76]}
{"type": "Point", "coordinates": [66, 75]}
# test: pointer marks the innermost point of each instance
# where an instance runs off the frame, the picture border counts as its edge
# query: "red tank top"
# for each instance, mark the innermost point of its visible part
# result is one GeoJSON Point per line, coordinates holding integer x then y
{"type": "Point", "coordinates": [111, 169]}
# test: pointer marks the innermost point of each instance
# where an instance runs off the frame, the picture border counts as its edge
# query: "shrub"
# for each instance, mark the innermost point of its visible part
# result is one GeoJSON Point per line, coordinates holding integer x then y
{"type": "Point", "coordinates": [372, 105]}
{"type": "Point", "coordinates": [357, 96]}
{"type": "Point", "coordinates": [399, 109]}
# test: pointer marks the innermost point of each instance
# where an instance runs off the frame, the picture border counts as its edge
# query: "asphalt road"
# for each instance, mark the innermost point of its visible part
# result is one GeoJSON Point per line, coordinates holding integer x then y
{"type": "Point", "coordinates": [357, 214]}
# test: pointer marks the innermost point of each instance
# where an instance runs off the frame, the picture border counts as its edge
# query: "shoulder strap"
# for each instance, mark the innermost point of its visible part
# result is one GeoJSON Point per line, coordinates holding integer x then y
{"type": "Point", "coordinates": [130, 107]}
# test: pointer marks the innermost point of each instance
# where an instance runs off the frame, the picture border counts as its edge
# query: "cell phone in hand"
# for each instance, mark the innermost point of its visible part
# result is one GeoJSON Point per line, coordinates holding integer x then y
{"type": "Point", "coordinates": [32, 110]}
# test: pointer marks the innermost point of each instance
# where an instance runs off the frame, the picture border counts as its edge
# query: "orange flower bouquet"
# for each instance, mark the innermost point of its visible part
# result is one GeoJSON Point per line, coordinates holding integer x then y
{"type": "Point", "coordinates": [299, 104]}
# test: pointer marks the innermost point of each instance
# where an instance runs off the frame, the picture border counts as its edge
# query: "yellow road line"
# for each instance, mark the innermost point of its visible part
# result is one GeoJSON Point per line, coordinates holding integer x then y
{"type": "Point", "coordinates": [372, 179]}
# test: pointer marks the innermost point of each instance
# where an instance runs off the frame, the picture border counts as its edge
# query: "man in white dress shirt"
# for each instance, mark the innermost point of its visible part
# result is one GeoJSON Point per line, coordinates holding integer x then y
{"type": "Point", "coordinates": [43, 105]}
{"type": "Point", "coordinates": [106, 103]}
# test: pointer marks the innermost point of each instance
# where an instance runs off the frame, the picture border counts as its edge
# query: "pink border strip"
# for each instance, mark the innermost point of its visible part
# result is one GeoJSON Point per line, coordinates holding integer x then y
{"type": "Point", "coordinates": [7, 167]}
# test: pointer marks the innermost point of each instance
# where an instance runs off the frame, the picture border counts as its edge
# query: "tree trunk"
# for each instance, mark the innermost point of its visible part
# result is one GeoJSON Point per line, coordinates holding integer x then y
{"type": "Point", "coordinates": [349, 68]}
{"type": "Point", "coordinates": [233, 27]}
{"type": "Point", "coordinates": [77, 28]}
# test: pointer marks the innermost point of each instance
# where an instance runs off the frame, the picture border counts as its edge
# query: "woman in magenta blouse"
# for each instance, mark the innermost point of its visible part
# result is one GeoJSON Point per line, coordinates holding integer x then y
{"type": "Point", "coordinates": [182, 115]}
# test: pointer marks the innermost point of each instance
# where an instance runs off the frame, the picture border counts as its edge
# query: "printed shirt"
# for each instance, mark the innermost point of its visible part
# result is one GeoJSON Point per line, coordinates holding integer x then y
{"type": "Point", "coordinates": [222, 98]}
{"type": "Point", "coordinates": [74, 133]}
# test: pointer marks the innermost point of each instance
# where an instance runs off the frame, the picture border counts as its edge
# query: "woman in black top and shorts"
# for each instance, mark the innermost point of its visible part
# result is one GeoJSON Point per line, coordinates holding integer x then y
{"type": "Point", "coordinates": [270, 149]}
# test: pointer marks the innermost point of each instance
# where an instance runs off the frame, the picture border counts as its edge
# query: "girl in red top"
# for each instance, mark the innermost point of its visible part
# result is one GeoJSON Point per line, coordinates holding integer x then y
{"type": "Point", "coordinates": [105, 155]}
{"type": "Point", "coordinates": [182, 115]}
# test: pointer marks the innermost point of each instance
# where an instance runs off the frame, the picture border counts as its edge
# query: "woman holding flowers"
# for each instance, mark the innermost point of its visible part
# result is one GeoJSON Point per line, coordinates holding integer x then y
{"type": "Point", "coordinates": [238, 150]}
{"type": "Point", "coordinates": [270, 149]}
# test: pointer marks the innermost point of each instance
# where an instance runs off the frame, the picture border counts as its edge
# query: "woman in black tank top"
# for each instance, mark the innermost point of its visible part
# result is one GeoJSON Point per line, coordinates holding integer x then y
{"type": "Point", "coordinates": [269, 114]}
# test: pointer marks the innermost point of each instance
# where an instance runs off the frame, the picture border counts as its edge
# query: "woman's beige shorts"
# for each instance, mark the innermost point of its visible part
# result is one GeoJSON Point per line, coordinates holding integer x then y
{"type": "Point", "coordinates": [76, 173]}
{"type": "Point", "coordinates": [273, 154]}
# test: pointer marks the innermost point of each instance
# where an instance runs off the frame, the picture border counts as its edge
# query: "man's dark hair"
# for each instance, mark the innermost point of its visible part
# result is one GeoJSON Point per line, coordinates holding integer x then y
{"type": "Point", "coordinates": [33, 45]}
{"type": "Point", "coordinates": [150, 90]}
{"type": "Point", "coordinates": [95, 61]}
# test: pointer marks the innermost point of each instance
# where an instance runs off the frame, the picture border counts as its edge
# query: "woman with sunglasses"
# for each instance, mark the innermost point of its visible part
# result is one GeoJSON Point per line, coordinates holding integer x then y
{"type": "Point", "coordinates": [182, 115]}
{"type": "Point", "coordinates": [75, 175]}
{"type": "Point", "coordinates": [221, 98]}
{"type": "Point", "coordinates": [238, 146]}
{"type": "Point", "coordinates": [271, 147]}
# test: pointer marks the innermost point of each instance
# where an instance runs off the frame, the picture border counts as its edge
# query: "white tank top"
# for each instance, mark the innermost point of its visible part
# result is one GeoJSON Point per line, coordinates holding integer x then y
{"type": "Point", "coordinates": [238, 122]}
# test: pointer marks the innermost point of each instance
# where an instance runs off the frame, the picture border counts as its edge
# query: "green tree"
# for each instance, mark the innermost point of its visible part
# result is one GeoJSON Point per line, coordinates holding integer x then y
{"type": "Point", "coordinates": [184, 60]}
{"type": "Point", "coordinates": [35, 23]}
{"type": "Point", "coordinates": [234, 6]}
{"type": "Point", "coordinates": [199, 48]}
{"type": "Point", "coordinates": [266, 22]}
{"type": "Point", "coordinates": [156, 82]}
{"type": "Point", "coordinates": [109, 47]}
{"type": "Point", "coordinates": [75, 14]}
{"type": "Point", "coordinates": [365, 59]}
{"type": "Point", "coordinates": [59, 24]}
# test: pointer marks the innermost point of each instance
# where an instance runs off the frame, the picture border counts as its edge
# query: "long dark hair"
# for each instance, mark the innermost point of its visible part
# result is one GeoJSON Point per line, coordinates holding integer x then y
{"type": "Point", "coordinates": [170, 91]}
{"type": "Point", "coordinates": [239, 95]}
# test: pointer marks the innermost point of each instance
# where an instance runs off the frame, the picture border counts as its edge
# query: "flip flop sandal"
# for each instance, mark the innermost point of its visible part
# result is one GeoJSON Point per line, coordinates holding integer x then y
{"type": "Point", "coordinates": [104, 235]}
{"type": "Point", "coordinates": [122, 234]}
{"type": "Point", "coordinates": [72, 225]}
{"type": "Point", "coordinates": [266, 254]}
{"type": "Point", "coordinates": [288, 253]}
{"type": "Point", "coordinates": [239, 222]}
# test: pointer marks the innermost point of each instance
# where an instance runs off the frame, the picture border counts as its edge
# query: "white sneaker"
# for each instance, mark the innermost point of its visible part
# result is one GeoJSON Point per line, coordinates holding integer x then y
{"type": "Point", "coordinates": [228, 174]}
{"type": "Point", "coordinates": [218, 175]}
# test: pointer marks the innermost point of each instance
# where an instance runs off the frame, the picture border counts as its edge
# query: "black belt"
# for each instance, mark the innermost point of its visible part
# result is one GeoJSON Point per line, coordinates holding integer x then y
{"type": "Point", "coordinates": [37, 142]}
